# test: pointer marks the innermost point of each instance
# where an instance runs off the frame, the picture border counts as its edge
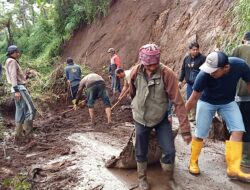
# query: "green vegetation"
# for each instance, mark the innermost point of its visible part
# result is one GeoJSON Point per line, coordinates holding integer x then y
{"type": "Point", "coordinates": [17, 183]}
{"type": "Point", "coordinates": [40, 27]}
{"type": "Point", "coordinates": [240, 24]}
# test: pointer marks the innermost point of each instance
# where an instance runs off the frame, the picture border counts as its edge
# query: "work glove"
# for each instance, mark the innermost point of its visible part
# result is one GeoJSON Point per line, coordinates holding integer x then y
{"type": "Point", "coordinates": [74, 102]}
{"type": "Point", "coordinates": [75, 107]}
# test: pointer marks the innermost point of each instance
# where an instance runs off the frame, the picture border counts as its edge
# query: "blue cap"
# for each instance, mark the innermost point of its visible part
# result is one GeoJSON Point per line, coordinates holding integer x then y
{"type": "Point", "coordinates": [12, 49]}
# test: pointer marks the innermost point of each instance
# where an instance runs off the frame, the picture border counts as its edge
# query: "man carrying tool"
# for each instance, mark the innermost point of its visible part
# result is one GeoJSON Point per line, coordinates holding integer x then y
{"type": "Point", "coordinates": [243, 99]}
{"type": "Point", "coordinates": [73, 76]}
{"type": "Point", "coordinates": [114, 64]}
{"type": "Point", "coordinates": [215, 89]}
{"type": "Point", "coordinates": [152, 86]}
{"type": "Point", "coordinates": [95, 88]}
{"type": "Point", "coordinates": [25, 111]}
{"type": "Point", "coordinates": [123, 75]}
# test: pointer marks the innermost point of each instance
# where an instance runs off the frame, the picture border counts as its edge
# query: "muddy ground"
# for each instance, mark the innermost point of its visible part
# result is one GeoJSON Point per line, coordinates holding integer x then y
{"type": "Point", "coordinates": [67, 152]}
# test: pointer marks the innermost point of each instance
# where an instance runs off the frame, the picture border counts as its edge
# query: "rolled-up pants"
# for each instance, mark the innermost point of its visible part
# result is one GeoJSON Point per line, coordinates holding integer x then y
{"type": "Point", "coordinates": [25, 109]}
{"type": "Point", "coordinates": [165, 139]}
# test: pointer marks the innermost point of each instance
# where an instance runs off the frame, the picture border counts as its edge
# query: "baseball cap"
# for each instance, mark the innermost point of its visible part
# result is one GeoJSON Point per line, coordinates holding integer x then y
{"type": "Point", "coordinates": [214, 61]}
{"type": "Point", "coordinates": [12, 49]}
{"type": "Point", "coordinates": [247, 36]}
{"type": "Point", "coordinates": [110, 50]}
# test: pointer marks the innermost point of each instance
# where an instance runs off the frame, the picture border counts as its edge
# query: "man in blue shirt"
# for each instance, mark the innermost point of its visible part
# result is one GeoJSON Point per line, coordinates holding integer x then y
{"type": "Point", "coordinates": [215, 89]}
{"type": "Point", "coordinates": [73, 76]}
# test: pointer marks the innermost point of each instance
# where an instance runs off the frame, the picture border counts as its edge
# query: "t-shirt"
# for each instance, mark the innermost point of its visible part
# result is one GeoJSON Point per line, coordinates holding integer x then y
{"type": "Point", "coordinates": [127, 76]}
{"type": "Point", "coordinates": [222, 90]}
{"type": "Point", "coordinates": [90, 79]}
{"type": "Point", "coordinates": [73, 74]}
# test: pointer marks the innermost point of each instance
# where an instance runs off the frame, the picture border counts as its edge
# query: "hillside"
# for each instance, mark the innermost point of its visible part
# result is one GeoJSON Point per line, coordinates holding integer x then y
{"type": "Point", "coordinates": [132, 23]}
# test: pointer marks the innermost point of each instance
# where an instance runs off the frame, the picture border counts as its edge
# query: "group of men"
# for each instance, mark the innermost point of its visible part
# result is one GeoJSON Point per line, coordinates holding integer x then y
{"type": "Point", "coordinates": [211, 86]}
{"type": "Point", "coordinates": [95, 84]}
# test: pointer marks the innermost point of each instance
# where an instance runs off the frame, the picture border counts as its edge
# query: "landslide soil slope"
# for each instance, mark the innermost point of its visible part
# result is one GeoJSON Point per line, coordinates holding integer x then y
{"type": "Point", "coordinates": [130, 24]}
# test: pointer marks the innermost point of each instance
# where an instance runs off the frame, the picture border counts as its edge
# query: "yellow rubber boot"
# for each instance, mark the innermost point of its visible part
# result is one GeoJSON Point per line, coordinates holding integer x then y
{"type": "Point", "coordinates": [233, 157]}
{"type": "Point", "coordinates": [196, 147]}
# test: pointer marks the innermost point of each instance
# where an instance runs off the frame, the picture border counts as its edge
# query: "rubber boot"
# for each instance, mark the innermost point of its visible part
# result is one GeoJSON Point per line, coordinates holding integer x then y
{"type": "Point", "coordinates": [196, 147]}
{"type": "Point", "coordinates": [168, 170]}
{"type": "Point", "coordinates": [142, 176]}
{"type": "Point", "coordinates": [28, 126]}
{"type": "Point", "coordinates": [233, 154]}
{"type": "Point", "coordinates": [92, 115]}
{"type": "Point", "coordinates": [108, 113]}
{"type": "Point", "coordinates": [18, 130]}
{"type": "Point", "coordinates": [245, 162]}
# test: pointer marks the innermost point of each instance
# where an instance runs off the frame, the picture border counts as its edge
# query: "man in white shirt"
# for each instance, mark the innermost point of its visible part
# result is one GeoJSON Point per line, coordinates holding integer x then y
{"type": "Point", "coordinates": [125, 75]}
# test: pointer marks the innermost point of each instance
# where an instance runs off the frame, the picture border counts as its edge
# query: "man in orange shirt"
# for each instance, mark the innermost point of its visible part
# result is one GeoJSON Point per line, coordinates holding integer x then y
{"type": "Point", "coordinates": [114, 64]}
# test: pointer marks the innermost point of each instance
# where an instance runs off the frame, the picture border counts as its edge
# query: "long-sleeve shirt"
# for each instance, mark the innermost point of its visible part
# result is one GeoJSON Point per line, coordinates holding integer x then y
{"type": "Point", "coordinates": [242, 52]}
{"type": "Point", "coordinates": [189, 65]}
{"type": "Point", "coordinates": [14, 73]}
{"type": "Point", "coordinates": [169, 91]}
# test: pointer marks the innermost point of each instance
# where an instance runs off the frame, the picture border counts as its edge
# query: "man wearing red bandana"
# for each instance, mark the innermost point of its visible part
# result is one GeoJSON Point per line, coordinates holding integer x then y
{"type": "Point", "coordinates": [152, 86]}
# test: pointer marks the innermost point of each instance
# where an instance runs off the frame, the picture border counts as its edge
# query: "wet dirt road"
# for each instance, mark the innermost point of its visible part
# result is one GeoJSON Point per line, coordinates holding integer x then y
{"type": "Point", "coordinates": [68, 153]}
{"type": "Point", "coordinates": [212, 166]}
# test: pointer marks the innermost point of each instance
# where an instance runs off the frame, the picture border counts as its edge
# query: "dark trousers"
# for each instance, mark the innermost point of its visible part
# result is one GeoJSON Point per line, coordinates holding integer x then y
{"type": "Point", "coordinates": [74, 90]}
{"type": "Point", "coordinates": [115, 84]}
{"type": "Point", "coordinates": [165, 139]}
{"type": "Point", "coordinates": [189, 90]}
{"type": "Point", "coordinates": [245, 111]}
{"type": "Point", "coordinates": [97, 91]}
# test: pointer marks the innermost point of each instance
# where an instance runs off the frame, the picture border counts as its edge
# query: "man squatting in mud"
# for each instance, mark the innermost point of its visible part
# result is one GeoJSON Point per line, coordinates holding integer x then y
{"type": "Point", "coordinates": [214, 89]}
{"type": "Point", "coordinates": [152, 86]}
{"type": "Point", "coordinates": [25, 111]}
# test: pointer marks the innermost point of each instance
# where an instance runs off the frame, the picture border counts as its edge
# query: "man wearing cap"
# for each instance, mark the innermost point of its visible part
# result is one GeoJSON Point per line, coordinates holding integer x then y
{"type": "Point", "coordinates": [215, 89]}
{"type": "Point", "coordinates": [73, 76]}
{"type": "Point", "coordinates": [114, 64]}
{"type": "Point", "coordinates": [152, 86]}
{"type": "Point", "coordinates": [25, 111]}
{"type": "Point", "coordinates": [123, 75]}
{"type": "Point", "coordinates": [243, 98]}
{"type": "Point", "coordinates": [95, 88]}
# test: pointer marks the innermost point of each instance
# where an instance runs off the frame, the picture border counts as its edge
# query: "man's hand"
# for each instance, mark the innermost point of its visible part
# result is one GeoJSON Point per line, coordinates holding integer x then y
{"type": "Point", "coordinates": [187, 137]}
{"type": "Point", "coordinates": [75, 107]}
{"type": "Point", "coordinates": [170, 120]}
{"type": "Point", "coordinates": [18, 96]}
{"type": "Point", "coordinates": [180, 85]}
